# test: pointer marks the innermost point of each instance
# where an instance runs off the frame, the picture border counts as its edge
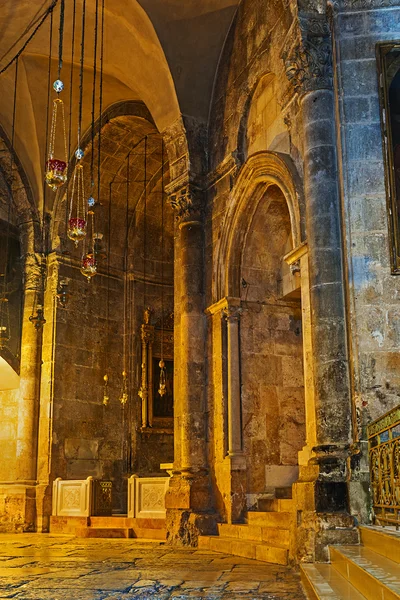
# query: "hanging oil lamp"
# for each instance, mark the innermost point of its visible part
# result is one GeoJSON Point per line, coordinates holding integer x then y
{"type": "Point", "coordinates": [63, 294]}
{"type": "Point", "coordinates": [89, 266]}
{"type": "Point", "coordinates": [106, 397]}
{"type": "Point", "coordinates": [4, 322]}
{"type": "Point", "coordinates": [162, 386]}
{"type": "Point", "coordinates": [77, 223]}
{"type": "Point", "coordinates": [89, 262]}
{"type": "Point", "coordinates": [56, 167]}
{"type": "Point", "coordinates": [124, 394]}
{"type": "Point", "coordinates": [38, 320]}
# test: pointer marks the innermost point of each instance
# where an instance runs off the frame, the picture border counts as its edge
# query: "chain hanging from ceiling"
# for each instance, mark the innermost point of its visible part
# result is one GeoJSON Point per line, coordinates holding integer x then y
{"type": "Point", "coordinates": [56, 168]}
{"type": "Point", "coordinates": [162, 386]}
{"type": "Point", "coordinates": [77, 221]}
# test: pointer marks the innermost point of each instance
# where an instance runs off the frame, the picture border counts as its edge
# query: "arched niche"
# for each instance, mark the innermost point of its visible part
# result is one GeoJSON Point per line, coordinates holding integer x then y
{"type": "Point", "coordinates": [262, 170]}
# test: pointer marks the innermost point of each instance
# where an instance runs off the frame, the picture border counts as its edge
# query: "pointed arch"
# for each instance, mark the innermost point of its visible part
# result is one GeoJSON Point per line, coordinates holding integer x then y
{"type": "Point", "coordinates": [260, 171]}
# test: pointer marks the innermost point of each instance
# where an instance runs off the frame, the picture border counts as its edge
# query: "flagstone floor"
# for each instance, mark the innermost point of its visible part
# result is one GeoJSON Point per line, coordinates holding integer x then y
{"type": "Point", "coordinates": [55, 567]}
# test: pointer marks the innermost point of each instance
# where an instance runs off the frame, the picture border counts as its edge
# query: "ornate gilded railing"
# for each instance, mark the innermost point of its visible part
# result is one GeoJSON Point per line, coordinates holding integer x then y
{"type": "Point", "coordinates": [384, 464]}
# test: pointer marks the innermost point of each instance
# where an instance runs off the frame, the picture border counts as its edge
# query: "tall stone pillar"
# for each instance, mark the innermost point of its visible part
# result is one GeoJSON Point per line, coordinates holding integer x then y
{"type": "Point", "coordinates": [188, 500]}
{"type": "Point", "coordinates": [47, 383]}
{"type": "Point", "coordinates": [308, 63]}
{"type": "Point", "coordinates": [19, 492]}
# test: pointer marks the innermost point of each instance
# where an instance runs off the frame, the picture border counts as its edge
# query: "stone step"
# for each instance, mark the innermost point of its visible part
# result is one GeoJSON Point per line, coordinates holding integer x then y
{"type": "Point", "coordinates": [275, 505]}
{"type": "Point", "coordinates": [383, 541]}
{"type": "Point", "coordinates": [374, 576]}
{"type": "Point", "coordinates": [67, 524]}
{"type": "Point", "coordinates": [245, 548]}
{"type": "Point", "coordinates": [127, 522]}
{"type": "Point", "coordinates": [323, 582]}
{"type": "Point", "coordinates": [104, 532]}
{"type": "Point", "coordinates": [279, 520]}
{"type": "Point", "coordinates": [109, 527]}
{"type": "Point", "coordinates": [256, 533]}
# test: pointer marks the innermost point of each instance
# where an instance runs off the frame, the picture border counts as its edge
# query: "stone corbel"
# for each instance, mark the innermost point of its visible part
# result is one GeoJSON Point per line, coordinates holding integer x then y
{"type": "Point", "coordinates": [308, 61]}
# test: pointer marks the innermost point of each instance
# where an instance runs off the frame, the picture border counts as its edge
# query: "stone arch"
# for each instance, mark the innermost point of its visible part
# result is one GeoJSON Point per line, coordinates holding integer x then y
{"type": "Point", "coordinates": [19, 190]}
{"type": "Point", "coordinates": [260, 171]}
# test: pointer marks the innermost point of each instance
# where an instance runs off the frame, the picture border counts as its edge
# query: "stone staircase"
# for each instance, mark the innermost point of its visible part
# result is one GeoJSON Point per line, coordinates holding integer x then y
{"type": "Point", "coordinates": [370, 571]}
{"type": "Point", "coordinates": [109, 527]}
{"type": "Point", "coordinates": [265, 536]}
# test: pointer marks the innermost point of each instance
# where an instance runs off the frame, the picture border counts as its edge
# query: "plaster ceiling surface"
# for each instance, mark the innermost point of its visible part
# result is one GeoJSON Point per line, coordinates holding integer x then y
{"type": "Point", "coordinates": [135, 68]}
{"type": "Point", "coordinates": [162, 52]}
{"type": "Point", "coordinates": [192, 33]}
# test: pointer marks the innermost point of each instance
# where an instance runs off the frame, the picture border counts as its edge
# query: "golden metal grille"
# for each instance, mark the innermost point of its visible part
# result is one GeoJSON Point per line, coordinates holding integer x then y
{"type": "Point", "coordinates": [384, 464]}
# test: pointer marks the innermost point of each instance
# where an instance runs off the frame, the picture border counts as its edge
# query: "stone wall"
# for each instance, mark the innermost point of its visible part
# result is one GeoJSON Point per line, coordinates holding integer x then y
{"type": "Point", "coordinates": [373, 291]}
{"type": "Point", "coordinates": [252, 112]}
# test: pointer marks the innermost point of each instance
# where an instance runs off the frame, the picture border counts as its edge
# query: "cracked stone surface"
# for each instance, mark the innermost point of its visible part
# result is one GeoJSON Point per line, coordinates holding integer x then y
{"type": "Point", "coordinates": [55, 567]}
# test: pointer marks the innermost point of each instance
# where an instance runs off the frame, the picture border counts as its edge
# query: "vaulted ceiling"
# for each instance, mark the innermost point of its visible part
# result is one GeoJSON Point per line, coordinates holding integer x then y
{"type": "Point", "coordinates": [162, 52]}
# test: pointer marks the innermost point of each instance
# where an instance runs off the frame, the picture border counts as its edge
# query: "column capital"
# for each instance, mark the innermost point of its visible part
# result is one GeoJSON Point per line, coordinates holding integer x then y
{"type": "Point", "coordinates": [308, 61]}
{"type": "Point", "coordinates": [232, 313]}
{"type": "Point", "coordinates": [187, 202]}
{"type": "Point", "coordinates": [228, 302]}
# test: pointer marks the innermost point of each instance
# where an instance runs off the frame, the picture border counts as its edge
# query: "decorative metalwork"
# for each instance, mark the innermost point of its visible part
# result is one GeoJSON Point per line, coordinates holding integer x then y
{"type": "Point", "coordinates": [102, 498]}
{"type": "Point", "coordinates": [56, 169]}
{"type": "Point", "coordinates": [384, 464]}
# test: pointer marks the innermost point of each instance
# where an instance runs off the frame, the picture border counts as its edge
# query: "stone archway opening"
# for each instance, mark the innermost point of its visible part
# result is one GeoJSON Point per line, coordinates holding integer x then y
{"type": "Point", "coordinates": [273, 413]}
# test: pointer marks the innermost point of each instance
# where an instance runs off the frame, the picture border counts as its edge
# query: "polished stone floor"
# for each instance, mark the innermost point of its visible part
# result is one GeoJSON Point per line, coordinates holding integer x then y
{"type": "Point", "coordinates": [50, 567]}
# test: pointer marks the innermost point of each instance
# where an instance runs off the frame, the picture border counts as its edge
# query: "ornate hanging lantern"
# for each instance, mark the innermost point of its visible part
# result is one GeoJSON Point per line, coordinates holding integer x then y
{"type": "Point", "coordinates": [162, 386]}
{"type": "Point", "coordinates": [124, 394]}
{"type": "Point", "coordinates": [38, 320]}
{"type": "Point", "coordinates": [89, 262]}
{"type": "Point", "coordinates": [56, 168]}
{"type": "Point", "coordinates": [106, 397]}
{"type": "Point", "coordinates": [77, 223]}
{"type": "Point", "coordinates": [89, 266]}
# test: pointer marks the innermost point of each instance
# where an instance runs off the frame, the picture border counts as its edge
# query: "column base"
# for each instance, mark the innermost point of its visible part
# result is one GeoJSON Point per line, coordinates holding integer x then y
{"type": "Point", "coordinates": [189, 508]}
{"type": "Point", "coordinates": [17, 507]}
{"type": "Point", "coordinates": [235, 488]}
{"type": "Point", "coordinates": [321, 502]}
{"type": "Point", "coordinates": [43, 507]}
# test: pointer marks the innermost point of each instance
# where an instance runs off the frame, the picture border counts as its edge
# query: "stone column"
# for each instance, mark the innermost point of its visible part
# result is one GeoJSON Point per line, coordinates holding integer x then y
{"type": "Point", "coordinates": [30, 372]}
{"type": "Point", "coordinates": [322, 485]}
{"type": "Point", "coordinates": [188, 499]}
{"type": "Point", "coordinates": [21, 490]}
{"type": "Point", "coordinates": [45, 421]}
{"type": "Point", "coordinates": [298, 258]}
{"type": "Point", "coordinates": [309, 67]}
{"type": "Point", "coordinates": [232, 315]}
{"type": "Point", "coordinates": [229, 462]}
